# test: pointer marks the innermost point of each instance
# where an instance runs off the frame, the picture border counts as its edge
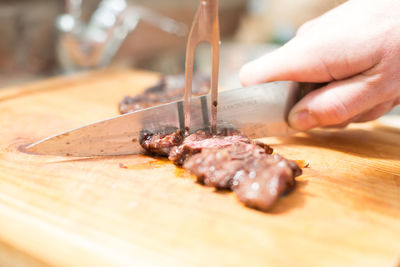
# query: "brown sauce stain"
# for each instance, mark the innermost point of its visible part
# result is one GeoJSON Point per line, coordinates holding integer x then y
{"type": "Point", "coordinates": [123, 166]}
{"type": "Point", "coordinates": [150, 164]}
{"type": "Point", "coordinates": [155, 163]}
{"type": "Point", "coordinates": [302, 164]}
{"type": "Point", "coordinates": [182, 173]}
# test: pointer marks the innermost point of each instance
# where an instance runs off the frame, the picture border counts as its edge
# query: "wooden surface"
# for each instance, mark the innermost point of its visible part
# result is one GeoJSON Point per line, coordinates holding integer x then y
{"type": "Point", "coordinates": [61, 211]}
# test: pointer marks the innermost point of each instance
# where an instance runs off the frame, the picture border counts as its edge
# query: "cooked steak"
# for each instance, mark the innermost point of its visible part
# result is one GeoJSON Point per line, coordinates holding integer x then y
{"type": "Point", "coordinates": [217, 167]}
{"type": "Point", "coordinates": [263, 180]}
{"type": "Point", "coordinates": [169, 88]}
{"type": "Point", "coordinates": [160, 144]}
{"type": "Point", "coordinates": [178, 149]}
{"type": "Point", "coordinates": [228, 160]}
{"type": "Point", "coordinates": [257, 178]}
{"type": "Point", "coordinates": [195, 142]}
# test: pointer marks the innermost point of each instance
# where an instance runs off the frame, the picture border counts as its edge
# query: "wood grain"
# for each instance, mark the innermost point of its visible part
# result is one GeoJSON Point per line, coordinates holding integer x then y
{"type": "Point", "coordinates": [65, 211]}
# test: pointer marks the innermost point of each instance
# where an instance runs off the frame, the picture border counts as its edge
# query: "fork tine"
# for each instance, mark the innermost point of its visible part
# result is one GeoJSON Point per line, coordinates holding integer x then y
{"type": "Point", "coordinates": [205, 28]}
{"type": "Point", "coordinates": [215, 42]}
{"type": "Point", "coordinates": [189, 64]}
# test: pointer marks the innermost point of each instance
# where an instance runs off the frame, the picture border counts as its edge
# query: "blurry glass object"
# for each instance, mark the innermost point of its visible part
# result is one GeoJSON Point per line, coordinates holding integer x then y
{"type": "Point", "coordinates": [283, 33]}
{"type": "Point", "coordinates": [257, 7]}
{"type": "Point", "coordinates": [27, 36]}
{"type": "Point", "coordinates": [278, 20]}
{"type": "Point", "coordinates": [94, 44]}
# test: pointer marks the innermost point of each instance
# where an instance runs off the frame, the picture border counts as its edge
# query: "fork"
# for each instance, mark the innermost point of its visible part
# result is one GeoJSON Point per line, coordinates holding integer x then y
{"type": "Point", "coordinates": [205, 28]}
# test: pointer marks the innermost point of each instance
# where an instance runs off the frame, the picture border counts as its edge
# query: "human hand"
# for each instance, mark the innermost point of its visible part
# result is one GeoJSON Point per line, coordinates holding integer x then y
{"type": "Point", "coordinates": [355, 48]}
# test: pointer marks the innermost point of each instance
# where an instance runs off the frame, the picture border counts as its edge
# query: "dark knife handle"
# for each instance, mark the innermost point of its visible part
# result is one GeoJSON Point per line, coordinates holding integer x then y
{"type": "Point", "coordinates": [301, 90]}
{"type": "Point", "coordinates": [306, 88]}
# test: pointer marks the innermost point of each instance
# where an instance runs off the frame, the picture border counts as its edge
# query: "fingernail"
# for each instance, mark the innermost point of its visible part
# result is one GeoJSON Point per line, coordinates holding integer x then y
{"type": "Point", "coordinates": [302, 120]}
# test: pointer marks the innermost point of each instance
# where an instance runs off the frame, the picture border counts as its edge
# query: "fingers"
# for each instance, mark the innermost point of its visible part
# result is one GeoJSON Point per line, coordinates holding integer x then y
{"type": "Point", "coordinates": [355, 54]}
{"type": "Point", "coordinates": [376, 112]}
{"type": "Point", "coordinates": [338, 103]}
{"type": "Point", "coordinates": [294, 61]}
{"type": "Point", "coordinates": [319, 52]}
{"type": "Point", "coordinates": [305, 59]}
{"type": "Point", "coordinates": [372, 114]}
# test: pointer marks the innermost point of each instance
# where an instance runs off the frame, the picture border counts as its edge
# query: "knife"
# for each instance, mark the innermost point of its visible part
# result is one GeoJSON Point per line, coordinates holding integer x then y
{"type": "Point", "coordinates": [256, 111]}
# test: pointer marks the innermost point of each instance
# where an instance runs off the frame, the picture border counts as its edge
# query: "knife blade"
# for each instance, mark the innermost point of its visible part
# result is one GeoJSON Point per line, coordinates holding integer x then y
{"type": "Point", "coordinates": [257, 111]}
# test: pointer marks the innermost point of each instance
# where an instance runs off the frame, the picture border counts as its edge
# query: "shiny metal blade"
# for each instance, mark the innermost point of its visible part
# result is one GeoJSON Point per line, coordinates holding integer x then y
{"type": "Point", "coordinates": [261, 110]}
{"type": "Point", "coordinates": [257, 111]}
{"type": "Point", "coordinates": [116, 136]}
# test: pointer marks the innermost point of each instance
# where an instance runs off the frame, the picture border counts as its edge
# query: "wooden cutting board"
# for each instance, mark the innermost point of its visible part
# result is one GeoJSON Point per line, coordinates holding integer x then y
{"type": "Point", "coordinates": [65, 211]}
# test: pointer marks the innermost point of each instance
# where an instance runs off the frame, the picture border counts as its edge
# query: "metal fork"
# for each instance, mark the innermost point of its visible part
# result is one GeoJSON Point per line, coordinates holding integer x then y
{"type": "Point", "coordinates": [205, 28]}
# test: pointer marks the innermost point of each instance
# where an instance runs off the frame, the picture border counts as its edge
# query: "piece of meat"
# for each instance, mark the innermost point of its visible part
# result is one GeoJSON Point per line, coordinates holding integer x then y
{"type": "Point", "coordinates": [260, 183]}
{"type": "Point", "coordinates": [266, 147]}
{"type": "Point", "coordinates": [169, 88]}
{"type": "Point", "coordinates": [178, 149]}
{"type": "Point", "coordinates": [228, 160]}
{"type": "Point", "coordinates": [217, 167]}
{"type": "Point", "coordinates": [161, 143]}
{"type": "Point", "coordinates": [195, 142]}
{"type": "Point", "coordinates": [257, 178]}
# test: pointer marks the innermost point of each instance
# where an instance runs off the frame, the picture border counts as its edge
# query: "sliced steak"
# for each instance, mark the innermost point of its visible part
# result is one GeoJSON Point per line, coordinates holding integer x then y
{"type": "Point", "coordinates": [160, 144]}
{"type": "Point", "coordinates": [217, 167]}
{"type": "Point", "coordinates": [257, 178]}
{"type": "Point", "coordinates": [228, 160]}
{"type": "Point", "coordinates": [194, 144]}
{"type": "Point", "coordinates": [179, 149]}
{"type": "Point", "coordinates": [263, 180]}
{"type": "Point", "coordinates": [169, 88]}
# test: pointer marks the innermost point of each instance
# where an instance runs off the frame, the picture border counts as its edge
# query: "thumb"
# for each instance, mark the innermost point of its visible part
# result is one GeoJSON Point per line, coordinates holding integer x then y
{"type": "Point", "coordinates": [336, 103]}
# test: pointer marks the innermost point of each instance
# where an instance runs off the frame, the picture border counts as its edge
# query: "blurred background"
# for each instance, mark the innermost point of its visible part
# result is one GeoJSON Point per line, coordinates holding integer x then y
{"type": "Point", "coordinates": [41, 38]}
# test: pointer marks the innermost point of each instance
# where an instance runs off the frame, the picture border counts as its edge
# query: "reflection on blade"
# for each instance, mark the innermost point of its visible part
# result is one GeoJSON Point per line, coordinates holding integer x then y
{"type": "Point", "coordinates": [257, 111]}
{"type": "Point", "coordinates": [119, 135]}
{"type": "Point", "coordinates": [116, 136]}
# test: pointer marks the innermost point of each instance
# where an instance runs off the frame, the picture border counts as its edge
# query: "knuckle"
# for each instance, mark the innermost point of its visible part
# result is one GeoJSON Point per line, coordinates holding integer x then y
{"type": "Point", "coordinates": [339, 114]}
{"type": "Point", "coordinates": [389, 88]}
{"type": "Point", "coordinates": [384, 81]}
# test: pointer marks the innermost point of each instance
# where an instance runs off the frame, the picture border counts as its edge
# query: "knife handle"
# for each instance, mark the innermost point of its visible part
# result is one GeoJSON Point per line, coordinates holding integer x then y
{"type": "Point", "coordinates": [306, 88]}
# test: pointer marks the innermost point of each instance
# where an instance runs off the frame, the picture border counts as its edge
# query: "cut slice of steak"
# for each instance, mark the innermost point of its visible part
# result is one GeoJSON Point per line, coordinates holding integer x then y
{"type": "Point", "coordinates": [257, 178]}
{"type": "Point", "coordinates": [160, 144]}
{"type": "Point", "coordinates": [195, 142]}
{"type": "Point", "coordinates": [178, 149]}
{"type": "Point", "coordinates": [228, 160]}
{"type": "Point", "coordinates": [217, 167]}
{"type": "Point", "coordinates": [169, 88]}
{"type": "Point", "coordinates": [263, 180]}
